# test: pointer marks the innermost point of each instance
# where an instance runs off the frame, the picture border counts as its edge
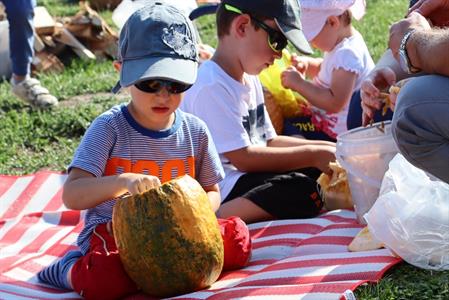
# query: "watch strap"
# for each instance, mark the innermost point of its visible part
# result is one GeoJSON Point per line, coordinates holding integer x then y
{"type": "Point", "coordinates": [403, 48]}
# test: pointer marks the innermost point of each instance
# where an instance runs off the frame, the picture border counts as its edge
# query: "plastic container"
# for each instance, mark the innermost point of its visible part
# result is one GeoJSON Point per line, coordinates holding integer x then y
{"type": "Point", "coordinates": [5, 61]}
{"type": "Point", "coordinates": [364, 153]}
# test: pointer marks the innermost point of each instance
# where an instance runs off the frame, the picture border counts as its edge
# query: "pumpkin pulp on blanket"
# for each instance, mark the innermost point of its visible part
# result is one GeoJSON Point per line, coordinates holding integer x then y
{"type": "Point", "coordinates": [168, 238]}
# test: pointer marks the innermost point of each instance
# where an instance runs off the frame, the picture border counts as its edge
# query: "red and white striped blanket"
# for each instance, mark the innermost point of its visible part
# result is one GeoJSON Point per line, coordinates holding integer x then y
{"type": "Point", "coordinates": [292, 259]}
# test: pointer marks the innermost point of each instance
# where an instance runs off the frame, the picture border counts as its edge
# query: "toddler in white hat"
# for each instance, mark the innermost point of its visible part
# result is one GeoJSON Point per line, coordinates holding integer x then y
{"type": "Point", "coordinates": [335, 77]}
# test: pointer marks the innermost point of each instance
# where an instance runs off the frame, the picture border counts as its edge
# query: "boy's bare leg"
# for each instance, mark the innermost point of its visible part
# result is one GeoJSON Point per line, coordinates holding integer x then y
{"type": "Point", "coordinates": [245, 209]}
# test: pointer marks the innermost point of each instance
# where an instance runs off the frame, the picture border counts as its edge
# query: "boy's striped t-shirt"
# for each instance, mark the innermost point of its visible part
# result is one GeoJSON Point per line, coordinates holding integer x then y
{"type": "Point", "coordinates": [115, 143]}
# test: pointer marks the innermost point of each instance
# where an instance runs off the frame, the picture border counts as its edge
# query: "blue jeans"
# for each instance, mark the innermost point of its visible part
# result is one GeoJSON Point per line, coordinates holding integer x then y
{"type": "Point", "coordinates": [420, 127]}
{"type": "Point", "coordinates": [21, 39]}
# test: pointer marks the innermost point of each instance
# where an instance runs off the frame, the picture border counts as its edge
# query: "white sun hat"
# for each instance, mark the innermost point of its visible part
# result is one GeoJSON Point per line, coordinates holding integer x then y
{"type": "Point", "coordinates": [314, 13]}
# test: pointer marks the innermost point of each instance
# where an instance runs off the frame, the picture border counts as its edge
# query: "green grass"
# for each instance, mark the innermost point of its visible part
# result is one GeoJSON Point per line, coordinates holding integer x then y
{"type": "Point", "coordinates": [32, 140]}
{"type": "Point", "coordinates": [38, 139]}
{"type": "Point", "coordinates": [406, 282]}
{"type": "Point", "coordinates": [375, 25]}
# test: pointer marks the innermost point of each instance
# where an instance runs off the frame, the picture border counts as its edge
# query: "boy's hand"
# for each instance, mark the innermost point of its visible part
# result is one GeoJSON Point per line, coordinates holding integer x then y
{"type": "Point", "coordinates": [139, 183]}
{"type": "Point", "coordinates": [290, 78]}
{"type": "Point", "coordinates": [325, 155]}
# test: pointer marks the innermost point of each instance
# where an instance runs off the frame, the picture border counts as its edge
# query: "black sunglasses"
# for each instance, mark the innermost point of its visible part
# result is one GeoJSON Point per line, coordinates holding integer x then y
{"type": "Point", "coordinates": [156, 85]}
{"type": "Point", "coordinates": [276, 40]}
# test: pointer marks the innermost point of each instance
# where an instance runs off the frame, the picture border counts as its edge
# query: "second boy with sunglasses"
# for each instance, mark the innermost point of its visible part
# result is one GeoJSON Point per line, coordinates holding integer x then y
{"type": "Point", "coordinates": [267, 176]}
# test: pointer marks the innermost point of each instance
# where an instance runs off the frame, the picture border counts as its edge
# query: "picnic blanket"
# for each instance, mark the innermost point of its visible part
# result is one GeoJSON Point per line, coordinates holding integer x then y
{"type": "Point", "coordinates": [292, 259]}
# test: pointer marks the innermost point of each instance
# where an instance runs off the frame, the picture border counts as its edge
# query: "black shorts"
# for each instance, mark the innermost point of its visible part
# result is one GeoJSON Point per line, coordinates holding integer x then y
{"type": "Point", "coordinates": [289, 195]}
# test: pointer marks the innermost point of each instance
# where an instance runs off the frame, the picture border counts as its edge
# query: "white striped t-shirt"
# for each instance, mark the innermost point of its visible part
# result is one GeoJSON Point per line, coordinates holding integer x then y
{"type": "Point", "coordinates": [115, 143]}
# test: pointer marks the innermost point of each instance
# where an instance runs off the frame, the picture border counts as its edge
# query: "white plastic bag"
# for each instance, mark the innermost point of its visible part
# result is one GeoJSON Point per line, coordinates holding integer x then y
{"type": "Point", "coordinates": [411, 216]}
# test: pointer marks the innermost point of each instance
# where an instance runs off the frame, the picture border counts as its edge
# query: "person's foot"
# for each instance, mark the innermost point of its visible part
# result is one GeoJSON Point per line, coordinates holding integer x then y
{"type": "Point", "coordinates": [31, 91]}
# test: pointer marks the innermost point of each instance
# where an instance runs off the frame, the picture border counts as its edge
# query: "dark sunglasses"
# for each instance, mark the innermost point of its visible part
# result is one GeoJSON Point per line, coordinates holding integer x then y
{"type": "Point", "coordinates": [156, 85]}
{"type": "Point", "coordinates": [276, 40]}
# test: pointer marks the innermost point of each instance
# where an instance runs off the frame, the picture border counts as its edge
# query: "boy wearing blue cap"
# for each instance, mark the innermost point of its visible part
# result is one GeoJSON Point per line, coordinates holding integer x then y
{"type": "Point", "coordinates": [136, 146]}
{"type": "Point", "coordinates": [267, 176]}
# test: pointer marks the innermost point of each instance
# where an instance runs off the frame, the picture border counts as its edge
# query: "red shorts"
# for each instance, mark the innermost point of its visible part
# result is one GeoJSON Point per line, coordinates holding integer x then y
{"type": "Point", "coordinates": [236, 242]}
{"type": "Point", "coordinates": [100, 273]}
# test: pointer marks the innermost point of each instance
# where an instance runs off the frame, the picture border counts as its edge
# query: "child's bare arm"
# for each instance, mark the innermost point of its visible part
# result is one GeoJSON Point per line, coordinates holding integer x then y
{"type": "Point", "coordinates": [332, 99]}
{"type": "Point", "coordinates": [310, 66]}
{"type": "Point", "coordinates": [314, 66]}
{"type": "Point", "coordinates": [82, 190]}
{"type": "Point", "coordinates": [213, 192]}
{"type": "Point", "coordinates": [281, 159]}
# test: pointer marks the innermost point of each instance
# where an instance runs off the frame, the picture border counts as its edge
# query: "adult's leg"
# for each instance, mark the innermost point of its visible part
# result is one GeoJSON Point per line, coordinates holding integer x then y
{"type": "Point", "coordinates": [20, 15]}
{"type": "Point", "coordinates": [420, 126]}
{"type": "Point", "coordinates": [21, 36]}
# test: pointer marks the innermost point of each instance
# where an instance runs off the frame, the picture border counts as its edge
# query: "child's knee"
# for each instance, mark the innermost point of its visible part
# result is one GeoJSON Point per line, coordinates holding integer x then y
{"type": "Point", "coordinates": [236, 241]}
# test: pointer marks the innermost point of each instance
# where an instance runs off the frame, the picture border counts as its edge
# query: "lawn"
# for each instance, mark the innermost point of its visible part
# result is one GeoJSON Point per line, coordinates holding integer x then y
{"type": "Point", "coordinates": [32, 140]}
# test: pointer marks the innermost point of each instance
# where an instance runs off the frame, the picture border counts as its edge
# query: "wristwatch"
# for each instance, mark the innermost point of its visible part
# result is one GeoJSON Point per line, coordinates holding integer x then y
{"type": "Point", "coordinates": [404, 60]}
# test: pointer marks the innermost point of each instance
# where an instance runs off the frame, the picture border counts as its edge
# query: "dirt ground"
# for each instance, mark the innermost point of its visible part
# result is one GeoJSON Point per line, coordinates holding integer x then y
{"type": "Point", "coordinates": [85, 98]}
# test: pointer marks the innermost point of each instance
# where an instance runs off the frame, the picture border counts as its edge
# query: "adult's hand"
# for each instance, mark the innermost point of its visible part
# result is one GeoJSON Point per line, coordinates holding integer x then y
{"type": "Point", "coordinates": [399, 29]}
{"type": "Point", "coordinates": [435, 10]}
{"type": "Point", "coordinates": [378, 80]}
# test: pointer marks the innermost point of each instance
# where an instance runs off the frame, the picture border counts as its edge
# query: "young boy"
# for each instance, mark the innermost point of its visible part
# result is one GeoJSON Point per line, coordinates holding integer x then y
{"type": "Point", "coordinates": [136, 146]}
{"type": "Point", "coordinates": [267, 176]}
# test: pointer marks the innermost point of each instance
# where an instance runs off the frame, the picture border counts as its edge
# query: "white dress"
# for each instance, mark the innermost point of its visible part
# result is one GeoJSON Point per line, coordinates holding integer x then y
{"type": "Point", "coordinates": [352, 55]}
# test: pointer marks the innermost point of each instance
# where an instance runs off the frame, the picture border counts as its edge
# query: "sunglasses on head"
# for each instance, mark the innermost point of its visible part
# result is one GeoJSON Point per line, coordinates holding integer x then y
{"type": "Point", "coordinates": [276, 40]}
{"type": "Point", "coordinates": [156, 85]}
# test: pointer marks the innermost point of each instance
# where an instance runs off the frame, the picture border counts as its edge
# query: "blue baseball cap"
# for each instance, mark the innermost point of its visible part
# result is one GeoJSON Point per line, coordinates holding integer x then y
{"type": "Point", "coordinates": [157, 42]}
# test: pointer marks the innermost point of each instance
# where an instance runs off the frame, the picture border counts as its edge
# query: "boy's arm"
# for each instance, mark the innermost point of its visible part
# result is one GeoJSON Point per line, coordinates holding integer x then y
{"type": "Point", "coordinates": [82, 190]}
{"type": "Point", "coordinates": [289, 141]}
{"type": "Point", "coordinates": [213, 192]}
{"type": "Point", "coordinates": [281, 159]}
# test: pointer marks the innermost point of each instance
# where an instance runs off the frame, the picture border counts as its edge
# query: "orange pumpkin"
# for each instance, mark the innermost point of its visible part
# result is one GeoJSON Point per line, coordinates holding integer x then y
{"type": "Point", "coordinates": [168, 238]}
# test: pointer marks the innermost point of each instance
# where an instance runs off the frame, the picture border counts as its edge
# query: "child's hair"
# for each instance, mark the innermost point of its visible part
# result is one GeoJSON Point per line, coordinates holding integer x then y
{"type": "Point", "coordinates": [225, 17]}
{"type": "Point", "coordinates": [346, 17]}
